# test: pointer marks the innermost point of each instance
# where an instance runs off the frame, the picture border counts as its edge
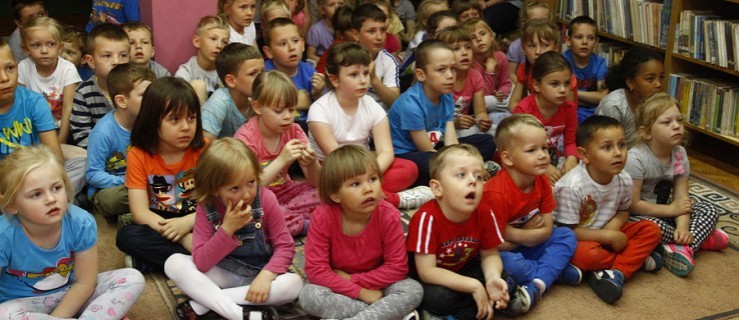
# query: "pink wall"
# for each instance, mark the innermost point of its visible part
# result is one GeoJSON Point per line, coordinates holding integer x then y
{"type": "Point", "coordinates": [173, 23]}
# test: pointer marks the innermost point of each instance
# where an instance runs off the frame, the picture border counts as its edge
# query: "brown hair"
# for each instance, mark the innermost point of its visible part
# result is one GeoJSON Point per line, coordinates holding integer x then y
{"type": "Point", "coordinates": [342, 164]}
{"type": "Point", "coordinates": [230, 58]}
{"type": "Point", "coordinates": [549, 62]}
{"type": "Point", "coordinates": [107, 31]}
{"type": "Point", "coordinates": [454, 34]}
{"type": "Point", "coordinates": [506, 130]}
{"type": "Point", "coordinates": [438, 161]}
{"type": "Point", "coordinates": [221, 163]}
{"type": "Point", "coordinates": [459, 6]}
{"type": "Point", "coordinates": [75, 36]}
{"type": "Point", "coordinates": [137, 25]}
{"type": "Point", "coordinates": [343, 55]}
{"type": "Point", "coordinates": [424, 14]}
{"type": "Point", "coordinates": [542, 29]}
{"type": "Point", "coordinates": [123, 77]}
{"type": "Point", "coordinates": [523, 13]}
{"type": "Point", "coordinates": [273, 24]}
{"type": "Point", "coordinates": [473, 25]}
{"type": "Point", "coordinates": [272, 88]}
{"type": "Point", "coordinates": [423, 51]}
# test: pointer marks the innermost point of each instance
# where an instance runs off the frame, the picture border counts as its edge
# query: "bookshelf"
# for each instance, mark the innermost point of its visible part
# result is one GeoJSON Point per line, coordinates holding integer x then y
{"type": "Point", "coordinates": [677, 62]}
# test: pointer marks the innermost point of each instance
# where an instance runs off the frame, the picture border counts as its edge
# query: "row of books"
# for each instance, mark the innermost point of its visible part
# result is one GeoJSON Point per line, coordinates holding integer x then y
{"type": "Point", "coordinates": [611, 52]}
{"type": "Point", "coordinates": [710, 104]}
{"type": "Point", "coordinates": [643, 21]}
{"type": "Point", "coordinates": [705, 36]}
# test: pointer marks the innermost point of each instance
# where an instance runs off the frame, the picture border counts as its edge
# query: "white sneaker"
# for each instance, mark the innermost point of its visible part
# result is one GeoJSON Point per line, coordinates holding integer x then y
{"type": "Point", "coordinates": [413, 315]}
{"type": "Point", "coordinates": [414, 198]}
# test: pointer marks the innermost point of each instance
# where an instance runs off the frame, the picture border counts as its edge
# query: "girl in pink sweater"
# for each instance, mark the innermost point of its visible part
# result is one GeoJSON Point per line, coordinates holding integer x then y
{"type": "Point", "coordinates": [241, 247]}
{"type": "Point", "coordinates": [355, 256]}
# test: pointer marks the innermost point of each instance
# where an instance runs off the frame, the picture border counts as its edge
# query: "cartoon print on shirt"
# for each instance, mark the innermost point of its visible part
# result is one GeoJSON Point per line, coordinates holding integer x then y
{"type": "Point", "coordinates": [456, 251]}
{"type": "Point", "coordinates": [588, 211]}
{"type": "Point", "coordinates": [185, 186]}
{"type": "Point", "coordinates": [161, 192]}
{"type": "Point", "coordinates": [53, 277]}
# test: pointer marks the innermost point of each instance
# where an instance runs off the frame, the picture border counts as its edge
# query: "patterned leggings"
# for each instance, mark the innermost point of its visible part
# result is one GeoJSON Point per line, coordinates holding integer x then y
{"type": "Point", "coordinates": [114, 295]}
{"type": "Point", "coordinates": [703, 219]}
{"type": "Point", "coordinates": [399, 299]}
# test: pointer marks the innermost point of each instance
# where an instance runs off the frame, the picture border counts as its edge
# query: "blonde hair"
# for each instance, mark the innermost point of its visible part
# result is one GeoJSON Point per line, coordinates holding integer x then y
{"type": "Point", "coordinates": [270, 5]}
{"type": "Point", "coordinates": [211, 22]}
{"type": "Point", "coordinates": [342, 164]}
{"type": "Point", "coordinates": [454, 34]}
{"type": "Point", "coordinates": [506, 130]}
{"type": "Point", "coordinates": [16, 166]}
{"type": "Point", "coordinates": [222, 162]}
{"type": "Point", "coordinates": [543, 29]}
{"type": "Point", "coordinates": [650, 109]}
{"type": "Point", "coordinates": [438, 161]}
{"type": "Point", "coordinates": [424, 14]}
{"type": "Point", "coordinates": [273, 88]}
{"type": "Point", "coordinates": [523, 14]}
{"type": "Point", "coordinates": [45, 23]}
{"type": "Point", "coordinates": [475, 24]}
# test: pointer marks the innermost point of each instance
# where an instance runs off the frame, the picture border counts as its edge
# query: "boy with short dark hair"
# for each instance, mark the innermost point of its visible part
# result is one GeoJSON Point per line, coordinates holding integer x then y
{"type": "Point", "coordinates": [422, 118]}
{"type": "Point", "coordinates": [370, 29]}
{"type": "Point", "coordinates": [109, 141]}
{"type": "Point", "coordinates": [229, 107]}
{"type": "Point", "coordinates": [467, 10]}
{"type": "Point", "coordinates": [284, 47]}
{"type": "Point", "coordinates": [142, 47]}
{"type": "Point", "coordinates": [589, 68]}
{"type": "Point", "coordinates": [23, 11]}
{"type": "Point", "coordinates": [446, 234]}
{"type": "Point", "coordinates": [210, 37]}
{"type": "Point", "coordinates": [106, 46]}
{"type": "Point", "coordinates": [520, 196]}
{"type": "Point", "coordinates": [593, 199]}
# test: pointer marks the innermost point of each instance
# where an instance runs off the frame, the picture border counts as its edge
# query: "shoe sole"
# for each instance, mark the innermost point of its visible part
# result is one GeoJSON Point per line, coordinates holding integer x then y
{"type": "Point", "coordinates": [605, 290]}
{"type": "Point", "coordinates": [676, 262]}
{"type": "Point", "coordinates": [572, 283]}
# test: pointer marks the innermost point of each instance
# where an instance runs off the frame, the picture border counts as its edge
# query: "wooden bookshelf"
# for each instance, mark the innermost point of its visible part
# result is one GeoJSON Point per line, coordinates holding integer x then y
{"type": "Point", "coordinates": [679, 63]}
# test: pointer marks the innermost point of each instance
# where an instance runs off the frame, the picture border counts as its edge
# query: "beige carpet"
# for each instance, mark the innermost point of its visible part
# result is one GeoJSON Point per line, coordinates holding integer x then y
{"type": "Point", "coordinates": [709, 292]}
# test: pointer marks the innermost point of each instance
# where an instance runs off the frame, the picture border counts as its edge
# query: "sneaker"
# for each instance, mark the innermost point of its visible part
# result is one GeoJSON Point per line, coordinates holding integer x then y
{"type": "Point", "coordinates": [653, 263]}
{"type": "Point", "coordinates": [124, 220]}
{"type": "Point", "coordinates": [414, 198]}
{"type": "Point", "coordinates": [523, 299]}
{"type": "Point", "coordinates": [412, 316]}
{"type": "Point", "coordinates": [184, 311]}
{"type": "Point", "coordinates": [259, 313]}
{"type": "Point", "coordinates": [678, 259]}
{"type": "Point", "coordinates": [137, 264]}
{"type": "Point", "coordinates": [607, 284]}
{"type": "Point", "coordinates": [718, 240]}
{"type": "Point", "coordinates": [492, 168]}
{"type": "Point", "coordinates": [570, 275]}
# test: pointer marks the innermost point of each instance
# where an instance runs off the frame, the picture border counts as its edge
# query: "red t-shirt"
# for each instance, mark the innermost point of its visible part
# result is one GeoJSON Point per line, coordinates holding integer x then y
{"type": "Point", "coordinates": [454, 244]}
{"type": "Point", "coordinates": [561, 127]}
{"type": "Point", "coordinates": [321, 65]}
{"type": "Point", "coordinates": [464, 98]}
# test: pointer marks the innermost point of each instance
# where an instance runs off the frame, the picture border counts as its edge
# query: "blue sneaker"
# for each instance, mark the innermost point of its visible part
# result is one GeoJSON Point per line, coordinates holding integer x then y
{"type": "Point", "coordinates": [570, 275]}
{"type": "Point", "coordinates": [653, 263]}
{"type": "Point", "coordinates": [607, 284]}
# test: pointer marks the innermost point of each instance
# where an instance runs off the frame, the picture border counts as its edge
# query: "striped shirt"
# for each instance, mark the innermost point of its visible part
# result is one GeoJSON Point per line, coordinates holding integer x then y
{"type": "Point", "coordinates": [90, 105]}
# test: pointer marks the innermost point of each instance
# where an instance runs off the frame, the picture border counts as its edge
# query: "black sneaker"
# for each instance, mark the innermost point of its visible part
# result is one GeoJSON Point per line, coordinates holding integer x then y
{"type": "Point", "coordinates": [607, 284]}
{"type": "Point", "coordinates": [267, 313]}
{"type": "Point", "coordinates": [184, 311]}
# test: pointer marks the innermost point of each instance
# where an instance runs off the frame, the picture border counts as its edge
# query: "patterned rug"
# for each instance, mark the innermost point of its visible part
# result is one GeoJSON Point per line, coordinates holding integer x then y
{"type": "Point", "coordinates": [700, 190]}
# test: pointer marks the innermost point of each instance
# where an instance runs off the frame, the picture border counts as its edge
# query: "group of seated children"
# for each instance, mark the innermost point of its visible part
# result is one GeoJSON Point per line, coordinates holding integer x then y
{"type": "Point", "coordinates": [210, 195]}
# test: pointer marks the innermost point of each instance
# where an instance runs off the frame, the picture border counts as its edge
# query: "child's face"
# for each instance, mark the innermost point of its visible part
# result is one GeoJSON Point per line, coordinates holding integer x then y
{"type": "Point", "coordinates": [537, 13]}
{"type": "Point", "coordinates": [133, 99]}
{"type": "Point", "coordinates": [482, 41]}
{"type": "Point", "coordinates": [210, 42]}
{"type": "Point", "coordinates": [244, 78]}
{"type": "Point", "coordinates": [42, 47]}
{"type": "Point", "coordinates": [440, 72]}
{"type": "Point", "coordinates": [605, 154]}
{"type": "Point", "coordinates": [648, 79]}
{"type": "Point", "coordinates": [667, 129]}
{"type": "Point", "coordinates": [42, 197]}
{"type": "Point", "coordinates": [177, 131]}
{"type": "Point", "coordinates": [352, 81]}
{"type": "Point", "coordinates": [443, 25]}
{"type": "Point", "coordinates": [583, 39]}
{"type": "Point", "coordinates": [528, 153]}
{"type": "Point", "coordinates": [274, 14]}
{"type": "Point", "coordinates": [71, 53]}
{"type": "Point", "coordinates": [243, 188]}
{"type": "Point", "coordinates": [241, 12]}
{"type": "Point", "coordinates": [459, 185]}
{"type": "Point", "coordinates": [372, 35]}
{"type": "Point", "coordinates": [361, 194]}
{"type": "Point", "coordinates": [536, 47]}
{"type": "Point", "coordinates": [349, 35]}
{"type": "Point", "coordinates": [32, 11]}
{"type": "Point", "coordinates": [277, 118]}
{"type": "Point", "coordinates": [107, 54]}
{"type": "Point", "coordinates": [462, 55]}
{"type": "Point", "coordinates": [285, 47]}
{"type": "Point", "coordinates": [8, 77]}
{"type": "Point", "coordinates": [328, 8]}
{"type": "Point", "coordinates": [468, 14]}
{"type": "Point", "coordinates": [554, 86]}
{"type": "Point", "coordinates": [142, 48]}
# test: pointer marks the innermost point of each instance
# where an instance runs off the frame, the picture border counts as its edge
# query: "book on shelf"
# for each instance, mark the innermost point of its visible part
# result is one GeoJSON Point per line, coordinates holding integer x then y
{"type": "Point", "coordinates": [710, 104]}
{"type": "Point", "coordinates": [705, 36]}
{"type": "Point", "coordinates": [611, 52]}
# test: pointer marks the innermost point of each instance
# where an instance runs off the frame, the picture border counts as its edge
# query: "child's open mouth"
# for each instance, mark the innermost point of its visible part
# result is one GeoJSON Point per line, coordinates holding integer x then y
{"type": "Point", "coordinates": [470, 196]}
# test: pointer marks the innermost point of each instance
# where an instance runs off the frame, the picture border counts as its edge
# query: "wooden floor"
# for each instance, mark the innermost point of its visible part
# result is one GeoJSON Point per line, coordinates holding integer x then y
{"type": "Point", "coordinates": [716, 162]}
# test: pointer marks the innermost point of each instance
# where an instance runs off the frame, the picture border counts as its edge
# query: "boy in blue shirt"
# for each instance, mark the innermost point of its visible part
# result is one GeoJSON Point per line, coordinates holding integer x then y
{"type": "Point", "coordinates": [109, 140]}
{"type": "Point", "coordinates": [422, 118]}
{"type": "Point", "coordinates": [589, 68]}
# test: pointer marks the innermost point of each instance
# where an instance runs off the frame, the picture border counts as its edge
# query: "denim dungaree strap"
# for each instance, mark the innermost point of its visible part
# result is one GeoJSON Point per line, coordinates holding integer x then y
{"type": "Point", "coordinates": [253, 252]}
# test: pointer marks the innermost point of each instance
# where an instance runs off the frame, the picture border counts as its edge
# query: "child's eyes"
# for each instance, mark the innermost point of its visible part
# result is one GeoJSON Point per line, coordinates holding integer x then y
{"type": "Point", "coordinates": [479, 177]}
{"type": "Point", "coordinates": [35, 195]}
{"type": "Point", "coordinates": [191, 117]}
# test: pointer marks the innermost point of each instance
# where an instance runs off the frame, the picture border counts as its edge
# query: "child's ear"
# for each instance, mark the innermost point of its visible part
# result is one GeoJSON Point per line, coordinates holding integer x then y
{"type": "Point", "coordinates": [568, 41]}
{"type": "Point", "coordinates": [196, 41]}
{"type": "Point", "coordinates": [435, 186]}
{"type": "Point", "coordinates": [120, 101]}
{"type": "Point", "coordinates": [335, 198]}
{"type": "Point", "coordinates": [88, 60]}
{"type": "Point", "coordinates": [355, 34]}
{"type": "Point", "coordinates": [420, 74]}
{"type": "Point", "coordinates": [256, 106]}
{"type": "Point", "coordinates": [229, 79]}
{"type": "Point", "coordinates": [583, 155]}
{"type": "Point", "coordinates": [152, 52]}
{"type": "Point", "coordinates": [630, 84]}
{"type": "Point", "coordinates": [644, 133]}
{"type": "Point", "coordinates": [267, 52]}
{"type": "Point", "coordinates": [505, 158]}
{"type": "Point", "coordinates": [537, 86]}
{"type": "Point", "coordinates": [334, 80]}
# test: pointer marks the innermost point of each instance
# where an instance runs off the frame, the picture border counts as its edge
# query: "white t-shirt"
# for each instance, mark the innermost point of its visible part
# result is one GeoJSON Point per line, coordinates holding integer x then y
{"type": "Point", "coordinates": [586, 203]}
{"type": "Point", "coordinates": [249, 37]}
{"type": "Point", "coordinates": [191, 70]}
{"type": "Point", "coordinates": [347, 129]}
{"type": "Point", "coordinates": [386, 68]}
{"type": "Point", "coordinates": [51, 87]}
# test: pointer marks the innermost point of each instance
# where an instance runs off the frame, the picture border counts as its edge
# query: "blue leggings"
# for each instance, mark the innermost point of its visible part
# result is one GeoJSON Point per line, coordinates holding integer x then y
{"type": "Point", "coordinates": [545, 261]}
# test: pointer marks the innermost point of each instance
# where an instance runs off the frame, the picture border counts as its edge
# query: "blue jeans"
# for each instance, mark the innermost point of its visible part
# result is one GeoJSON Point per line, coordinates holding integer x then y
{"type": "Point", "coordinates": [545, 261]}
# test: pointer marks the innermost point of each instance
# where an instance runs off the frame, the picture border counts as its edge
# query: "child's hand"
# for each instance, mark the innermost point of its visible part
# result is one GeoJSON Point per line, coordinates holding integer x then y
{"type": "Point", "coordinates": [319, 82]}
{"type": "Point", "coordinates": [236, 217]}
{"type": "Point", "coordinates": [343, 274]}
{"type": "Point", "coordinates": [372, 74]}
{"type": "Point", "coordinates": [482, 299]}
{"type": "Point", "coordinates": [535, 222]}
{"type": "Point", "coordinates": [553, 173]}
{"type": "Point", "coordinates": [617, 240]}
{"type": "Point", "coordinates": [498, 293]}
{"type": "Point", "coordinates": [681, 206]}
{"type": "Point", "coordinates": [308, 157]}
{"type": "Point", "coordinates": [483, 122]}
{"type": "Point", "coordinates": [369, 296]}
{"type": "Point", "coordinates": [499, 95]}
{"type": "Point", "coordinates": [464, 122]}
{"type": "Point", "coordinates": [175, 228]}
{"type": "Point", "coordinates": [683, 236]}
{"type": "Point", "coordinates": [259, 288]}
{"type": "Point", "coordinates": [292, 151]}
{"type": "Point", "coordinates": [490, 65]}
